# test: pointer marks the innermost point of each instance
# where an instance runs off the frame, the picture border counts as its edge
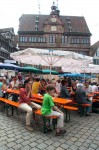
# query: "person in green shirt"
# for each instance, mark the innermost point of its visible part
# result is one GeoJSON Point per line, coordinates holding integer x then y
{"type": "Point", "coordinates": [49, 109]}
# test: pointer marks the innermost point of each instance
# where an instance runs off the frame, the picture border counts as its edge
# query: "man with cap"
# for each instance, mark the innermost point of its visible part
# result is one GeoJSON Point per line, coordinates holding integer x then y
{"type": "Point", "coordinates": [81, 98]}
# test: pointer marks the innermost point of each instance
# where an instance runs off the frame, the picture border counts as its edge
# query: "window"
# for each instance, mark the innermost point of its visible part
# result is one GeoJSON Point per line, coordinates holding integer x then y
{"type": "Point", "coordinates": [23, 39]}
{"type": "Point", "coordinates": [64, 39]}
{"type": "Point", "coordinates": [30, 39]}
{"type": "Point", "coordinates": [83, 53]}
{"type": "Point", "coordinates": [97, 53]}
{"type": "Point", "coordinates": [75, 40]}
{"type": "Point", "coordinates": [85, 41]}
{"type": "Point", "coordinates": [36, 28]}
{"type": "Point", "coordinates": [35, 39]}
{"type": "Point", "coordinates": [96, 61]}
{"type": "Point", "coordinates": [70, 29]}
{"type": "Point", "coordinates": [44, 39]}
{"type": "Point", "coordinates": [37, 19]}
{"type": "Point", "coordinates": [52, 39]}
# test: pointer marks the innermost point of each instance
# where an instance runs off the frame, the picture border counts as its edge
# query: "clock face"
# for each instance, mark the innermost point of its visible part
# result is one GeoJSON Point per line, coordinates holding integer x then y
{"type": "Point", "coordinates": [53, 28]}
{"type": "Point", "coordinates": [53, 19]}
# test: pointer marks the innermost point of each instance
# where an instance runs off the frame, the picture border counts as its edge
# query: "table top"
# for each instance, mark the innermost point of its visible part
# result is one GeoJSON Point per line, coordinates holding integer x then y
{"type": "Point", "coordinates": [55, 99]}
{"type": "Point", "coordinates": [13, 91]}
{"type": "Point", "coordinates": [61, 100]}
{"type": "Point", "coordinates": [39, 96]}
{"type": "Point", "coordinates": [96, 92]}
{"type": "Point", "coordinates": [90, 95]}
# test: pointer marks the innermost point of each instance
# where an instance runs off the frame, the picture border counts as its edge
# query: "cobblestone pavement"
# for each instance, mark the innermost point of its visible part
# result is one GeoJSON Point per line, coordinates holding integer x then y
{"type": "Point", "coordinates": [82, 134]}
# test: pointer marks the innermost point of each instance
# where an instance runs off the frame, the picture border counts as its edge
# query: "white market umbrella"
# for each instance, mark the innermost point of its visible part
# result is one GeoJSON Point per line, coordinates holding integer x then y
{"type": "Point", "coordinates": [49, 57]}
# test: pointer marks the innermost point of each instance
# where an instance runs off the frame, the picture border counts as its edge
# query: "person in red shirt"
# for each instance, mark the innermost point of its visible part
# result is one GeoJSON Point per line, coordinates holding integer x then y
{"type": "Point", "coordinates": [26, 104]}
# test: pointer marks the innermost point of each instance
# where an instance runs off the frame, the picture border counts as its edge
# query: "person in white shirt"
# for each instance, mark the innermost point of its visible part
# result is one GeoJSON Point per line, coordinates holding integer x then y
{"type": "Point", "coordinates": [94, 87]}
{"type": "Point", "coordinates": [58, 86]}
{"type": "Point", "coordinates": [14, 84]}
{"type": "Point", "coordinates": [88, 89]}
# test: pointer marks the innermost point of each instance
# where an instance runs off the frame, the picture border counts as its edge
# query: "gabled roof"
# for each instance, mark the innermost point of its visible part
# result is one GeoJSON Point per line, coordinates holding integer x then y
{"type": "Point", "coordinates": [78, 24]}
{"type": "Point", "coordinates": [11, 30]}
{"type": "Point", "coordinates": [94, 48]}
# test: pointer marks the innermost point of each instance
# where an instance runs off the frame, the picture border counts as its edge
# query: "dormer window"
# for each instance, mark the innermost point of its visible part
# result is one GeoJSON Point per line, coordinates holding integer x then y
{"type": "Point", "coordinates": [37, 19]}
{"type": "Point", "coordinates": [36, 28]}
{"type": "Point", "coordinates": [68, 19]}
{"type": "Point", "coordinates": [70, 29]}
{"type": "Point", "coordinates": [69, 23]}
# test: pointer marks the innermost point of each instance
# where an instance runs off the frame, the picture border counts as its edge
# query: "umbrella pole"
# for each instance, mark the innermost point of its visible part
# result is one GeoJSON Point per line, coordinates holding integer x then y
{"type": "Point", "coordinates": [50, 71]}
{"type": "Point", "coordinates": [84, 75]}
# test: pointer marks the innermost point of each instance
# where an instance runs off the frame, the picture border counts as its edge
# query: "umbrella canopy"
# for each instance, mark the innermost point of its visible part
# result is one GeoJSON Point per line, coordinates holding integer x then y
{"type": "Point", "coordinates": [9, 66]}
{"type": "Point", "coordinates": [48, 57]}
{"type": "Point", "coordinates": [76, 75]}
{"type": "Point", "coordinates": [30, 69]}
{"type": "Point", "coordinates": [48, 72]}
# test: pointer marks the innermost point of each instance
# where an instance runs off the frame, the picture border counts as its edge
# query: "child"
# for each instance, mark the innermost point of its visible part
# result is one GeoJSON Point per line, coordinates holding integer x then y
{"type": "Point", "coordinates": [49, 109]}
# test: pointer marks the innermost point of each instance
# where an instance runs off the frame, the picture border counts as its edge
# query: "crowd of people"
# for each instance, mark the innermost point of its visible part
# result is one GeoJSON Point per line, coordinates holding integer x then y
{"type": "Point", "coordinates": [29, 85]}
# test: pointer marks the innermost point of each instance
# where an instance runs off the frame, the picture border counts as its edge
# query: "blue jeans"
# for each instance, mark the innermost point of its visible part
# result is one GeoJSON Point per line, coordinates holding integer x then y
{"type": "Point", "coordinates": [88, 108]}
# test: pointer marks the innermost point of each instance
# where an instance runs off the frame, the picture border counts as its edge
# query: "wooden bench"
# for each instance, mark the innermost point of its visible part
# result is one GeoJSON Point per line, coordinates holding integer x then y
{"type": "Point", "coordinates": [9, 102]}
{"type": "Point", "coordinates": [38, 112]}
{"type": "Point", "coordinates": [36, 100]}
{"type": "Point", "coordinates": [95, 100]}
{"type": "Point", "coordinates": [81, 108]}
{"type": "Point", "coordinates": [67, 111]}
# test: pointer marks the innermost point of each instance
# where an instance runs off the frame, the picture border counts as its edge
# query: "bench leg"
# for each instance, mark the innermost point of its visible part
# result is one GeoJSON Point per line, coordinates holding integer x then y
{"type": "Point", "coordinates": [2, 104]}
{"type": "Point", "coordinates": [44, 127]}
{"type": "Point", "coordinates": [67, 113]}
{"type": "Point", "coordinates": [12, 109]}
{"type": "Point", "coordinates": [80, 109]}
{"type": "Point", "coordinates": [54, 123]}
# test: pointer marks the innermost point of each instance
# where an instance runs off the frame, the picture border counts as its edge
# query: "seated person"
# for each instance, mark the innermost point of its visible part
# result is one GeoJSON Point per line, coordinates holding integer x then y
{"type": "Point", "coordinates": [36, 86]}
{"type": "Point", "coordinates": [49, 109]}
{"type": "Point", "coordinates": [43, 86]}
{"type": "Point", "coordinates": [94, 87]}
{"type": "Point", "coordinates": [88, 90]}
{"type": "Point", "coordinates": [1, 85]}
{"type": "Point", "coordinates": [4, 88]}
{"type": "Point", "coordinates": [73, 90]}
{"type": "Point", "coordinates": [58, 86]}
{"type": "Point", "coordinates": [81, 98]}
{"type": "Point", "coordinates": [26, 104]}
{"type": "Point", "coordinates": [64, 92]}
{"type": "Point", "coordinates": [73, 87]}
{"type": "Point", "coordinates": [14, 85]}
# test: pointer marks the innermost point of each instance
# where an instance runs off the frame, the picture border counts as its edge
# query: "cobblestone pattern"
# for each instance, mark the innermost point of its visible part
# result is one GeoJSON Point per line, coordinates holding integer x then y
{"type": "Point", "coordinates": [82, 134]}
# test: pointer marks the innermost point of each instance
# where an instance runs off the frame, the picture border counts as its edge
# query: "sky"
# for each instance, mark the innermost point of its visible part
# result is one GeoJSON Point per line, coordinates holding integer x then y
{"type": "Point", "coordinates": [11, 11]}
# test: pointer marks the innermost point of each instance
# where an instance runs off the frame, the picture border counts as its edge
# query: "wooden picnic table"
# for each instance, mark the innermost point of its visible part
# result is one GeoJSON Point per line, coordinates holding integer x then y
{"type": "Point", "coordinates": [55, 99]}
{"type": "Point", "coordinates": [40, 97]}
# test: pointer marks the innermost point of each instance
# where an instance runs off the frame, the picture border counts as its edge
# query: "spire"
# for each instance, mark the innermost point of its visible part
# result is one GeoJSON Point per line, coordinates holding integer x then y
{"type": "Point", "coordinates": [54, 8]}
